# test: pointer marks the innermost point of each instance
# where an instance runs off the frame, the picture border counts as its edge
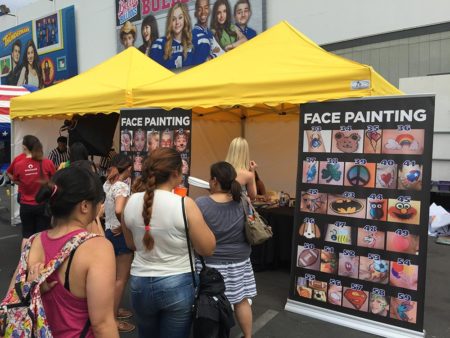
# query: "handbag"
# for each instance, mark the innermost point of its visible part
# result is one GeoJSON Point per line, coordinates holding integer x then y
{"type": "Point", "coordinates": [212, 312]}
{"type": "Point", "coordinates": [257, 230]}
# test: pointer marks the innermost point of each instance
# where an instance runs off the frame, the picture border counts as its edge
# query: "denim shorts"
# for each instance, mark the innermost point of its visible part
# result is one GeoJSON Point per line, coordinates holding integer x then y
{"type": "Point", "coordinates": [118, 242]}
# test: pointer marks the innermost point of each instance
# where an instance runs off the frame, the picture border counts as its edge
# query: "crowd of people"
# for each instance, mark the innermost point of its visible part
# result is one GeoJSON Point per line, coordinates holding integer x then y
{"type": "Point", "coordinates": [143, 240]}
{"type": "Point", "coordinates": [184, 45]}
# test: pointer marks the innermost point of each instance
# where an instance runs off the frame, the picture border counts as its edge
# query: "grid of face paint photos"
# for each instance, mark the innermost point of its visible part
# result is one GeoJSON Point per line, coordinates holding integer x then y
{"type": "Point", "coordinates": [403, 141]}
{"type": "Point", "coordinates": [360, 173]}
{"type": "Point", "coordinates": [375, 207]}
{"type": "Point", "coordinates": [355, 297]}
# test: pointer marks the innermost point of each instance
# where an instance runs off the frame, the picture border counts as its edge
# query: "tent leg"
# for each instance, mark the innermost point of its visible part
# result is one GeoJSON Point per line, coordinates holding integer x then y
{"type": "Point", "coordinates": [13, 188]}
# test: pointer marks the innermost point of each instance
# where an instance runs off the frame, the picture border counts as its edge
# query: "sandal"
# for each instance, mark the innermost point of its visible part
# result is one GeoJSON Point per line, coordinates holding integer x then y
{"type": "Point", "coordinates": [124, 313]}
{"type": "Point", "coordinates": [123, 326]}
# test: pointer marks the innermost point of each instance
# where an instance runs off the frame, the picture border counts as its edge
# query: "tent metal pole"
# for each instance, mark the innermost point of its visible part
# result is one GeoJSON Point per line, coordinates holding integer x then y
{"type": "Point", "coordinates": [13, 188]}
{"type": "Point", "coordinates": [243, 121]}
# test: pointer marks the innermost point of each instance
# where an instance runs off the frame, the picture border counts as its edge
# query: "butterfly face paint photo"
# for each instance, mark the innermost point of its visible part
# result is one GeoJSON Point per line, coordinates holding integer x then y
{"type": "Point", "coordinates": [386, 176]}
{"type": "Point", "coordinates": [403, 142]}
{"type": "Point", "coordinates": [410, 177]}
{"type": "Point", "coordinates": [404, 310]}
{"type": "Point", "coordinates": [347, 141]}
{"type": "Point", "coordinates": [403, 212]}
{"type": "Point", "coordinates": [310, 171]}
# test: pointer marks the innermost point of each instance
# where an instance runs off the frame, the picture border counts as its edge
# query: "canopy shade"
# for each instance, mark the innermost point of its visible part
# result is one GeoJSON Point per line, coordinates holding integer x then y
{"type": "Point", "coordinates": [267, 76]}
{"type": "Point", "coordinates": [105, 88]}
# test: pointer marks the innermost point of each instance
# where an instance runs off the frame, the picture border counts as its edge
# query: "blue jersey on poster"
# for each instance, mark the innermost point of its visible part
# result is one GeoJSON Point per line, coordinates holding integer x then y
{"type": "Point", "coordinates": [177, 59]}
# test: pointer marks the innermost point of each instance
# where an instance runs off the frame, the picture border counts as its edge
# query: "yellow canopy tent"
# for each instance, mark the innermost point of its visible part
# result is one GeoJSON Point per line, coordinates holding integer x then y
{"type": "Point", "coordinates": [105, 88]}
{"type": "Point", "coordinates": [271, 73]}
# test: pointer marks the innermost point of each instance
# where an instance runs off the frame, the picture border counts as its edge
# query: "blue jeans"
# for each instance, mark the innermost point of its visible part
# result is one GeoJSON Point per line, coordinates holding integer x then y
{"type": "Point", "coordinates": [163, 305]}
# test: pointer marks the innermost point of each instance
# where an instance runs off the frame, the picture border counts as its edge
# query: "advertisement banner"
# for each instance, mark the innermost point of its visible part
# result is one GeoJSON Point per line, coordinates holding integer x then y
{"type": "Point", "coordinates": [361, 219]}
{"type": "Point", "coordinates": [184, 33]}
{"type": "Point", "coordinates": [40, 52]}
{"type": "Point", "coordinates": [144, 130]}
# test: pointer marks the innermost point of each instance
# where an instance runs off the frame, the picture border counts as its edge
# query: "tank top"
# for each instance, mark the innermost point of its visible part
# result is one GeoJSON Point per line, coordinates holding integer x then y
{"type": "Point", "coordinates": [169, 255]}
{"type": "Point", "coordinates": [66, 314]}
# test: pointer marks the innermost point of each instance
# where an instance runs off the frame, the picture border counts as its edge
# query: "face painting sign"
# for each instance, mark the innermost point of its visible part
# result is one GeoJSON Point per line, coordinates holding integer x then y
{"type": "Point", "coordinates": [144, 130]}
{"type": "Point", "coordinates": [361, 221]}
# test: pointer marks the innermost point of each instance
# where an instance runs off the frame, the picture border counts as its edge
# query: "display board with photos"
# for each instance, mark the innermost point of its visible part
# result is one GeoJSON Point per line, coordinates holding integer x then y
{"type": "Point", "coordinates": [144, 130]}
{"type": "Point", "coordinates": [361, 220]}
{"type": "Point", "coordinates": [209, 28]}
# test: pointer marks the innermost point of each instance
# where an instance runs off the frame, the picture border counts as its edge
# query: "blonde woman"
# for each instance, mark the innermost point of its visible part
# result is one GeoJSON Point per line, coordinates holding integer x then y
{"type": "Point", "coordinates": [175, 49]}
{"type": "Point", "coordinates": [239, 157]}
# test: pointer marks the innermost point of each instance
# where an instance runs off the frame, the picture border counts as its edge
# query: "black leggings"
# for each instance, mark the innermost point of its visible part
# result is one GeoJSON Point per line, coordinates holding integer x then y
{"type": "Point", "coordinates": [33, 219]}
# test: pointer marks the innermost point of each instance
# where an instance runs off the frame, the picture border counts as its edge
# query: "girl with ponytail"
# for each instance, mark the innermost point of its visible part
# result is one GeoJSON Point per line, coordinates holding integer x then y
{"type": "Point", "coordinates": [153, 226]}
{"type": "Point", "coordinates": [224, 214]}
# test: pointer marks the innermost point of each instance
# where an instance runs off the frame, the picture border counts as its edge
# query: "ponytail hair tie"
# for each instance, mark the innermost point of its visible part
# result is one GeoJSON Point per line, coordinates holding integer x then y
{"type": "Point", "coordinates": [54, 190]}
{"type": "Point", "coordinates": [147, 227]}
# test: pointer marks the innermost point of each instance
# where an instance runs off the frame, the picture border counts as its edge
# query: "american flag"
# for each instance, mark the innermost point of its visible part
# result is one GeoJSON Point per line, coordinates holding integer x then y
{"type": "Point", "coordinates": [6, 94]}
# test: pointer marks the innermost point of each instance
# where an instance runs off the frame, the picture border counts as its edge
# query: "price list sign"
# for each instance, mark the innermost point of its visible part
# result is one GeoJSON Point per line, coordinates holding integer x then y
{"type": "Point", "coordinates": [361, 220]}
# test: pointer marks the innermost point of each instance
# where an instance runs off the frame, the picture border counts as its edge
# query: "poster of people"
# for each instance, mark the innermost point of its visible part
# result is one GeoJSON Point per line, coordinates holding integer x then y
{"type": "Point", "coordinates": [185, 33]}
{"type": "Point", "coordinates": [144, 130]}
{"type": "Point", "coordinates": [361, 221]}
{"type": "Point", "coordinates": [41, 52]}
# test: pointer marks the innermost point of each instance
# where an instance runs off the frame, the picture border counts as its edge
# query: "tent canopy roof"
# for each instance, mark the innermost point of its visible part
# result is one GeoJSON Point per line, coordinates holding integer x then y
{"type": "Point", "coordinates": [105, 88]}
{"type": "Point", "coordinates": [272, 73]}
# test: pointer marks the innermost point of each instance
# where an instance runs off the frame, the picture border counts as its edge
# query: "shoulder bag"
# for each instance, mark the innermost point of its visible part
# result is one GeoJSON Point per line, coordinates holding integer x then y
{"type": "Point", "coordinates": [257, 230]}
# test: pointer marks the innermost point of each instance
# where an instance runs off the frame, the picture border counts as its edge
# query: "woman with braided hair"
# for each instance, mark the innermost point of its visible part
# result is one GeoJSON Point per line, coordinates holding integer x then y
{"type": "Point", "coordinates": [162, 290]}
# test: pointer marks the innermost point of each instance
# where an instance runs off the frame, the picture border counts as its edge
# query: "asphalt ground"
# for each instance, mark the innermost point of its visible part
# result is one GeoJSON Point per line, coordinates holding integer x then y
{"type": "Point", "coordinates": [270, 319]}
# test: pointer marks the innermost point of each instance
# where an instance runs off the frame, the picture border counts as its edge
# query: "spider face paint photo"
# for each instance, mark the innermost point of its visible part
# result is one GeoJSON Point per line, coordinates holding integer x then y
{"type": "Point", "coordinates": [316, 203]}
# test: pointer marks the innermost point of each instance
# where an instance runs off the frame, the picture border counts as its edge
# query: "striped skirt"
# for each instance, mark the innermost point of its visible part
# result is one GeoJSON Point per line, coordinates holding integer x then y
{"type": "Point", "coordinates": [239, 279]}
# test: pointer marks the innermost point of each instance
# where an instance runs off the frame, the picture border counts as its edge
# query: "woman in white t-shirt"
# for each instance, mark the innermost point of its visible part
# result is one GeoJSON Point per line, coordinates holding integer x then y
{"type": "Point", "coordinates": [117, 191]}
{"type": "Point", "coordinates": [161, 285]}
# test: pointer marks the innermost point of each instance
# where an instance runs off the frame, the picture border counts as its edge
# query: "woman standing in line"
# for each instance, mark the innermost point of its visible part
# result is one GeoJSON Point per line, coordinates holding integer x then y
{"type": "Point", "coordinates": [223, 212]}
{"type": "Point", "coordinates": [239, 157]}
{"type": "Point", "coordinates": [117, 192]}
{"type": "Point", "coordinates": [227, 34]}
{"type": "Point", "coordinates": [31, 73]}
{"type": "Point", "coordinates": [161, 285]}
{"type": "Point", "coordinates": [175, 49]}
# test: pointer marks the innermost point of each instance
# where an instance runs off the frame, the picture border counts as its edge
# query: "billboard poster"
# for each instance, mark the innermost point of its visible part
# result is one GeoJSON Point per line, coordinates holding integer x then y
{"type": "Point", "coordinates": [361, 221]}
{"type": "Point", "coordinates": [144, 130]}
{"type": "Point", "coordinates": [40, 52]}
{"type": "Point", "coordinates": [184, 33]}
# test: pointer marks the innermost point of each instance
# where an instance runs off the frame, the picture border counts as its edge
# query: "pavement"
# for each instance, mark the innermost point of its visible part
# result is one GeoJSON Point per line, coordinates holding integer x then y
{"type": "Point", "coordinates": [269, 318]}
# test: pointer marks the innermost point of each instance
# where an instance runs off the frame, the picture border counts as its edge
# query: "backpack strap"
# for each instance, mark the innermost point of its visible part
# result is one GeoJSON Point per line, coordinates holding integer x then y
{"type": "Point", "coordinates": [188, 242]}
{"type": "Point", "coordinates": [22, 268]}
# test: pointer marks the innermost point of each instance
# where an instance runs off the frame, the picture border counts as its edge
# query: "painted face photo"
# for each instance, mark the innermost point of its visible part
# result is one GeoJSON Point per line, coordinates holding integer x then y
{"type": "Point", "coordinates": [372, 141]}
{"type": "Point", "coordinates": [386, 176]}
{"type": "Point", "coordinates": [404, 276]}
{"type": "Point", "coordinates": [371, 239]}
{"type": "Point", "coordinates": [302, 288]}
{"type": "Point", "coordinates": [328, 262]}
{"type": "Point", "coordinates": [404, 212]}
{"type": "Point", "coordinates": [319, 290]}
{"type": "Point", "coordinates": [317, 141]}
{"type": "Point", "coordinates": [139, 140]}
{"type": "Point", "coordinates": [331, 173]}
{"type": "Point", "coordinates": [379, 305]}
{"type": "Point", "coordinates": [180, 141]}
{"type": "Point", "coordinates": [316, 203]}
{"type": "Point", "coordinates": [348, 265]}
{"type": "Point", "coordinates": [309, 230]}
{"type": "Point", "coordinates": [310, 171]}
{"type": "Point", "coordinates": [185, 167]}
{"type": "Point", "coordinates": [404, 310]}
{"type": "Point", "coordinates": [402, 241]}
{"type": "Point", "coordinates": [377, 209]}
{"type": "Point", "coordinates": [359, 175]}
{"type": "Point", "coordinates": [137, 163]}
{"type": "Point", "coordinates": [308, 258]}
{"type": "Point", "coordinates": [125, 140]}
{"type": "Point", "coordinates": [335, 294]}
{"type": "Point", "coordinates": [339, 234]}
{"type": "Point", "coordinates": [350, 142]}
{"type": "Point", "coordinates": [373, 270]}
{"type": "Point", "coordinates": [403, 142]}
{"type": "Point", "coordinates": [345, 206]}
{"type": "Point", "coordinates": [152, 140]}
{"type": "Point", "coordinates": [410, 177]}
{"type": "Point", "coordinates": [166, 139]}
{"type": "Point", "coordinates": [356, 299]}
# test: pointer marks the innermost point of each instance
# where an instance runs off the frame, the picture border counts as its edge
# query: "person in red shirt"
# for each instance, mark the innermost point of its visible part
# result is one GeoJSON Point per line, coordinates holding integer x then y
{"type": "Point", "coordinates": [29, 173]}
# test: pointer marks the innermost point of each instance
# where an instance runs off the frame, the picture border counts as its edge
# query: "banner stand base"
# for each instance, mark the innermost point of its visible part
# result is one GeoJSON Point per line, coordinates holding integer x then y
{"type": "Point", "coordinates": [357, 323]}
